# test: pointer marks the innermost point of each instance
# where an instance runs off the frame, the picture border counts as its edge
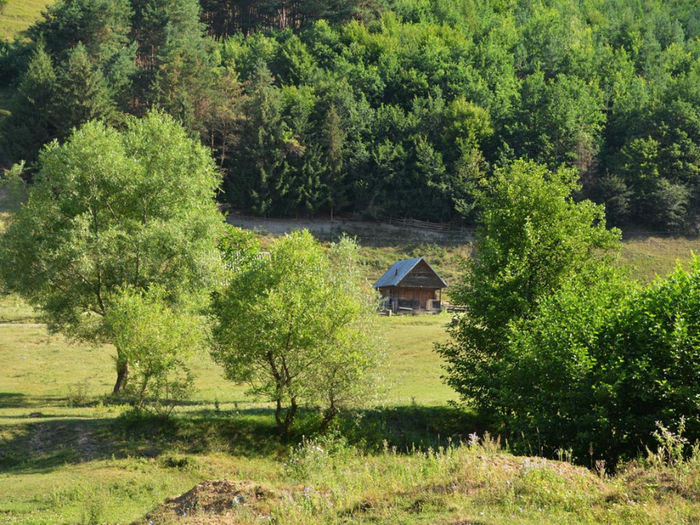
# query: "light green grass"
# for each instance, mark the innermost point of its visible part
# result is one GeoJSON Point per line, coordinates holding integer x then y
{"type": "Point", "coordinates": [14, 310]}
{"type": "Point", "coordinates": [650, 257]}
{"type": "Point", "coordinates": [69, 456]}
{"type": "Point", "coordinates": [44, 369]}
{"type": "Point", "coordinates": [19, 15]}
{"type": "Point", "coordinates": [414, 367]}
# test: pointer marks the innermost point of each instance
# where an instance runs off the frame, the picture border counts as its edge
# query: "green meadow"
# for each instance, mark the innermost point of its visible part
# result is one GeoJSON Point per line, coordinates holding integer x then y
{"type": "Point", "coordinates": [70, 454]}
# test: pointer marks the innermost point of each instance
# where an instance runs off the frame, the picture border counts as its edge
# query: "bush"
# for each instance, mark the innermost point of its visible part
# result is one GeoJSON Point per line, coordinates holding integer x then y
{"type": "Point", "coordinates": [548, 384]}
{"type": "Point", "coordinates": [156, 342]}
{"type": "Point", "coordinates": [672, 202]}
{"type": "Point", "coordinates": [603, 365]}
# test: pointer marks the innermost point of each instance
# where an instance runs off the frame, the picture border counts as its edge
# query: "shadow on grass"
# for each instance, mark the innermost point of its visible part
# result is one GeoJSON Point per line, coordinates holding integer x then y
{"type": "Point", "coordinates": [18, 400]}
{"type": "Point", "coordinates": [12, 400]}
{"type": "Point", "coordinates": [411, 426]}
{"type": "Point", "coordinates": [45, 445]}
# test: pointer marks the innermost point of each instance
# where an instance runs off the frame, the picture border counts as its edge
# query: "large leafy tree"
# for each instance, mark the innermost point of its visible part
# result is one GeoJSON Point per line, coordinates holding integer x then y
{"type": "Point", "coordinates": [532, 236]}
{"type": "Point", "coordinates": [110, 211]}
{"type": "Point", "coordinates": [296, 325]}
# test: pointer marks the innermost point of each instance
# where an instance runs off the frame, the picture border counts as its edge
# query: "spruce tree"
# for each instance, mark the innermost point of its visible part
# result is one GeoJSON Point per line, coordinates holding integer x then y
{"type": "Point", "coordinates": [33, 121]}
{"type": "Point", "coordinates": [83, 92]}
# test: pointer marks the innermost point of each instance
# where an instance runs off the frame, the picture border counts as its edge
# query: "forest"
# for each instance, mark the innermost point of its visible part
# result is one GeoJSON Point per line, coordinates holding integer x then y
{"type": "Point", "coordinates": [382, 108]}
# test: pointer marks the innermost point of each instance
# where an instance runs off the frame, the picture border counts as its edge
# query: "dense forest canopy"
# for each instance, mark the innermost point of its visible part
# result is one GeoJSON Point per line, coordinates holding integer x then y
{"type": "Point", "coordinates": [384, 107]}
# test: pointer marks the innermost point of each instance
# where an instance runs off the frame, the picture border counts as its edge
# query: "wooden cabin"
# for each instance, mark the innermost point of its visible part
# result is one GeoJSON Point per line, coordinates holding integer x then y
{"type": "Point", "coordinates": [411, 286]}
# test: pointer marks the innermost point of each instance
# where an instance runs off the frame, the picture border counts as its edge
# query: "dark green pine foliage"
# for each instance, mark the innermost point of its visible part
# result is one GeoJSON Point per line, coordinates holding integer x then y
{"type": "Point", "coordinates": [33, 120]}
{"type": "Point", "coordinates": [332, 139]}
{"type": "Point", "coordinates": [103, 27]}
{"type": "Point", "coordinates": [262, 179]}
{"type": "Point", "coordinates": [83, 92]}
{"type": "Point", "coordinates": [182, 71]}
{"type": "Point", "coordinates": [226, 17]}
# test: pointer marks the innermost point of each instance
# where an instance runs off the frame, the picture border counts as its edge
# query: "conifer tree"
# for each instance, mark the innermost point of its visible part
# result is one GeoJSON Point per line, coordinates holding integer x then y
{"type": "Point", "coordinates": [83, 92]}
{"type": "Point", "coordinates": [33, 121]}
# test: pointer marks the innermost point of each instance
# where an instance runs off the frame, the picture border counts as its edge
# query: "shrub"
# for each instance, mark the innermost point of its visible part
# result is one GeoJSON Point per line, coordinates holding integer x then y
{"type": "Point", "coordinates": [156, 342]}
{"type": "Point", "coordinates": [606, 368]}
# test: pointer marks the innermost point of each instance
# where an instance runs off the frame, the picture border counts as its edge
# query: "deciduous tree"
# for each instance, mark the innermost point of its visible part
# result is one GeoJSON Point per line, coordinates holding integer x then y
{"type": "Point", "coordinates": [532, 235]}
{"type": "Point", "coordinates": [296, 326]}
{"type": "Point", "coordinates": [111, 211]}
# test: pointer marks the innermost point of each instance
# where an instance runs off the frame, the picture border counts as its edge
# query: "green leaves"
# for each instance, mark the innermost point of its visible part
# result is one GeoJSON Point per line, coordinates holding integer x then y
{"type": "Point", "coordinates": [157, 342]}
{"type": "Point", "coordinates": [111, 211]}
{"type": "Point", "coordinates": [531, 239]}
{"type": "Point", "coordinates": [296, 325]}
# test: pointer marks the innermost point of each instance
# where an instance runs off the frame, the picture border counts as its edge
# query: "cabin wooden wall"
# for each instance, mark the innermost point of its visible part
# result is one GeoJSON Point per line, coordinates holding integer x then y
{"type": "Point", "coordinates": [412, 293]}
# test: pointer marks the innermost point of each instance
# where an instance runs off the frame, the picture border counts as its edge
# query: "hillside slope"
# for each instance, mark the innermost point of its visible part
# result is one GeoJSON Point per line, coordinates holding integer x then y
{"type": "Point", "coordinates": [19, 15]}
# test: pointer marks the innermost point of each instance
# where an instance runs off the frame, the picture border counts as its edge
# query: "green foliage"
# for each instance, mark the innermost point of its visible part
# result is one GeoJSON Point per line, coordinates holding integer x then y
{"type": "Point", "coordinates": [83, 91]}
{"type": "Point", "coordinates": [297, 326]}
{"type": "Point", "coordinates": [567, 352]}
{"type": "Point", "coordinates": [384, 107]}
{"type": "Point", "coordinates": [550, 383]}
{"type": "Point", "coordinates": [603, 364]}
{"type": "Point", "coordinates": [14, 188]}
{"type": "Point", "coordinates": [655, 341]}
{"type": "Point", "coordinates": [33, 121]}
{"type": "Point", "coordinates": [157, 342]}
{"type": "Point", "coordinates": [238, 247]}
{"type": "Point", "coordinates": [532, 237]}
{"type": "Point", "coordinates": [110, 211]}
{"type": "Point", "coordinates": [184, 77]}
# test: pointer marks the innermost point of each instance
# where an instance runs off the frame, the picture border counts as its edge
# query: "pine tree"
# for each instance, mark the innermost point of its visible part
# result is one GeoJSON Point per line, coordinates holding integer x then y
{"type": "Point", "coordinates": [333, 142]}
{"type": "Point", "coordinates": [33, 121]}
{"type": "Point", "coordinates": [262, 177]}
{"type": "Point", "coordinates": [83, 92]}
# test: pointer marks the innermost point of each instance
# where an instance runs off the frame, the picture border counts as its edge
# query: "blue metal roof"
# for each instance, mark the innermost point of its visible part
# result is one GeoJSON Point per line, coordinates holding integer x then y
{"type": "Point", "coordinates": [398, 271]}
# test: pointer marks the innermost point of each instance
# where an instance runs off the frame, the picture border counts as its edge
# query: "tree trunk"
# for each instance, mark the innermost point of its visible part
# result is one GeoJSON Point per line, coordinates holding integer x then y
{"type": "Point", "coordinates": [285, 424]}
{"type": "Point", "coordinates": [278, 415]}
{"type": "Point", "coordinates": [122, 374]}
{"type": "Point", "coordinates": [328, 416]}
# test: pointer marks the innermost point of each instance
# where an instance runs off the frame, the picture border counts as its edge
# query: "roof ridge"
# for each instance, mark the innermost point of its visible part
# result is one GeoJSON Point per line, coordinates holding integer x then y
{"type": "Point", "coordinates": [400, 269]}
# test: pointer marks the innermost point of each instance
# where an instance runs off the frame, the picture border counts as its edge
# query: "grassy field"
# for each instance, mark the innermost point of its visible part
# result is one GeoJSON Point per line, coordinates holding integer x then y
{"type": "Point", "coordinates": [68, 454]}
{"type": "Point", "coordinates": [19, 15]}
{"type": "Point", "coordinates": [651, 257]}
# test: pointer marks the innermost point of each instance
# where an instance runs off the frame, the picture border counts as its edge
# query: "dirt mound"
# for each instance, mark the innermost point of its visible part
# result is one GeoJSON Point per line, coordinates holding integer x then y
{"type": "Point", "coordinates": [215, 501]}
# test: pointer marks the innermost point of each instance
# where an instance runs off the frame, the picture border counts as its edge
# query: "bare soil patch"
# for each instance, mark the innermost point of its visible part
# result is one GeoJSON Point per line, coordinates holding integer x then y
{"type": "Point", "coordinates": [216, 501]}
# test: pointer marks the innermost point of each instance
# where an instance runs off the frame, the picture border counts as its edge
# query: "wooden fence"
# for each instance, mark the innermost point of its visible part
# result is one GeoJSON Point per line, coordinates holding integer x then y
{"type": "Point", "coordinates": [442, 227]}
